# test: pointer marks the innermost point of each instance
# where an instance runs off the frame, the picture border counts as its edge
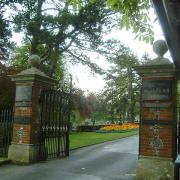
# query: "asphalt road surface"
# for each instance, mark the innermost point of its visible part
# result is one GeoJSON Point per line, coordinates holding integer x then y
{"type": "Point", "coordinates": [115, 160]}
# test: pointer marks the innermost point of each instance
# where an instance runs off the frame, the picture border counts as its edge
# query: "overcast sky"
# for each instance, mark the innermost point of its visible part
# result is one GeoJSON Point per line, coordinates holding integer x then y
{"type": "Point", "coordinates": [82, 76]}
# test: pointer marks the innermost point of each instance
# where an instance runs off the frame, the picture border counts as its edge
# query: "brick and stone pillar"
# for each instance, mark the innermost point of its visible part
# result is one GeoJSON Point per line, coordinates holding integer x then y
{"type": "Point", "coordinates": [25, 141]}
{"type": "Point", "coordinates": [157, 142]}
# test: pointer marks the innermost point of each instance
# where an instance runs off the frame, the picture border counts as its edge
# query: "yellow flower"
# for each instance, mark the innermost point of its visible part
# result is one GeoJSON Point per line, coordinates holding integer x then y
{"type": "Point", "coordinates": [115, 127]}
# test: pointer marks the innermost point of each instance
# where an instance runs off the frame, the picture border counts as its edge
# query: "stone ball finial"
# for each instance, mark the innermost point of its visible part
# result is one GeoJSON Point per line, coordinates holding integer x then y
{"type": "Point", "coordinates": [34, 60]}
{"type": "Point", "coordinates": [160, 47]}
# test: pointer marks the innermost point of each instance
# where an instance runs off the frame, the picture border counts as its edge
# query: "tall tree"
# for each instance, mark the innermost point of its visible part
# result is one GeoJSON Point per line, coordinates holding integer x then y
{"type": "Point", "coordinates": [122, 85]}
{"type": "Point", "coordinates": [63, 31]}
{"type": "Point", "coordinates": [5, 32]}
{"type": "Point", "coordinates": [39, 18]}
{"type": "Point", "coordinates": [100, 113]}
{"type": "Point", "coordinates": [5, 29]}
{"type": "Point", "coordinates": [83, 106]}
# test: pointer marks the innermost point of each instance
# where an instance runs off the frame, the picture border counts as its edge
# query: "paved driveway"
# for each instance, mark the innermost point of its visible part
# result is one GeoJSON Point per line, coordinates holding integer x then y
{"type": "Point", "coordinates": [115, 160]}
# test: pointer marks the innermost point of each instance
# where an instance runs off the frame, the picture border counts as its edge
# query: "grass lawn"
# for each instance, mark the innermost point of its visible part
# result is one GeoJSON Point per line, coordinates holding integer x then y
{"type": "Point", "coordinates": [81, 139]}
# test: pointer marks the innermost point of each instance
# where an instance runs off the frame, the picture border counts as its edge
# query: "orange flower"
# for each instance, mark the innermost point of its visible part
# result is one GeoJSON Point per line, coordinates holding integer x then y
{"type": "Point", "coordinates": [115, 127]}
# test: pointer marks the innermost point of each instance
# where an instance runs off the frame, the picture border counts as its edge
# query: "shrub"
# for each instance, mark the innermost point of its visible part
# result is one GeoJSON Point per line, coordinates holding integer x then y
{"type": "Point", "coordinates": [88, 128]}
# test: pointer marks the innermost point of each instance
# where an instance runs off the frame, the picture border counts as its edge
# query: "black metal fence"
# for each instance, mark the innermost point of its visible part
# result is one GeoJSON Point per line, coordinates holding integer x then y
{"type": "Point", "coordinates": [54, 127]}
{"type": "Point", "coordinates": [6, 130]}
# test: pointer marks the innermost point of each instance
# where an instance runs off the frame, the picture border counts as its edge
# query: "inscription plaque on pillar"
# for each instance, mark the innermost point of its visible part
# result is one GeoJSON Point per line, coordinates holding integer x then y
{"type": "Point", "coordinates": [157, 90]}
{"type": "Point", "coordinates": [23, 93]}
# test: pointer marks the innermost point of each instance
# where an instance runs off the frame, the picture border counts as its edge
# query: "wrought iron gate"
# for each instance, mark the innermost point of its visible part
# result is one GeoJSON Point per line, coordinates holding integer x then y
{"type": "Point", "coordinates": [178, 119]}
{"type": "Point", "coordinates": [54, 127]}
{"type": "Point", "coordinates": [6, 130]}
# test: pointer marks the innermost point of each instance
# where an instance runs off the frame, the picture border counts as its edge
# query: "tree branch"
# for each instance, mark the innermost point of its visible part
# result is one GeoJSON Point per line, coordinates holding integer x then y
{"type": "Point", "coordinates": [46, 55]}
{"type": "Point", "coordinates": [91, 65]}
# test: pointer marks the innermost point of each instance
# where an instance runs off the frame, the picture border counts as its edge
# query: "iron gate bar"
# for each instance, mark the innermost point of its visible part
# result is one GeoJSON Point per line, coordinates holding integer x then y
{"type": "Point", "coordinates": [54, 124]}
{"type": "Point", "coordinates": [6, 129]}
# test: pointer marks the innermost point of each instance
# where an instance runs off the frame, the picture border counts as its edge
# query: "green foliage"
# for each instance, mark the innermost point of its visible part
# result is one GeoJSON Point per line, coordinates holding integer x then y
{"type": "Point", "coordinates": [72, 29]}
{"type": "Point", "coordinates": [61, 30]}
{"type": "Point", "coordinates": [76, 117]}
{"type": "Point", "coordinates": [83, 106]}
{"type": "Point", "coordinates": [100, 113]}
{"type": "Point", "coordinates": [5, 29]}
{"type": "Point", "coordinates": [78, 106]}
{"type": "Point", "coordinates": [134, 15]}
{"type": "Point", "coordinates": [122, 88]}
{"type": "Point", "coordinates": [20, 60]}
{"type": "Point", "coordinates": [5, 34]}
{"type": "Point", "coordinates": [145, 58]}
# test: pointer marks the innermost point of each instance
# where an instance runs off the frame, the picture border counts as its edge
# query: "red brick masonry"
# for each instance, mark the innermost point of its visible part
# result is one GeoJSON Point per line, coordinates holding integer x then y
{"type": "Point", "coordinates": [166, 121]}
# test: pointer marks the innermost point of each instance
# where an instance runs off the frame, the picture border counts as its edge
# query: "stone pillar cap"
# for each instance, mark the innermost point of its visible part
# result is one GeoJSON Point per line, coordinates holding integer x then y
{"type": "Point", "coordinates": [34, 61]}
{"type": "Point", "coordinates": [33, 73]}
{"type": "Point", "coordinates": [160, 48]}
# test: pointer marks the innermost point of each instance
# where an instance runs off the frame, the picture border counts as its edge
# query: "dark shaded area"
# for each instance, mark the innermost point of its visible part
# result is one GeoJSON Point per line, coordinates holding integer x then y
{"type": "Point", "coordinates": [7, 92]}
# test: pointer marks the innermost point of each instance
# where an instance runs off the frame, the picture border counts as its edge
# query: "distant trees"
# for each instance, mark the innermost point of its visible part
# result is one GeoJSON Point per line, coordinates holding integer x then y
{"type": "Point", "coordinates": [83, 106]}
{"type": "Point", "coordinates": [100, 114]}
{"type": "Point", "coordinates": [121, 92]}
{"type": "Point", "coordinates": [119, 101]}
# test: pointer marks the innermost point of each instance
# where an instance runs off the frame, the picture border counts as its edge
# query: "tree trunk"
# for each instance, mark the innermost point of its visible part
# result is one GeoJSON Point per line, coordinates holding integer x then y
{"type": "Point", "coordinates": [34, 45]}
{"type": "Point", "coordinates": [131, 97]}
{"type": "Point", "coordinates": [132, 109]}
{"type": "Point", "coordinates": [35, 31]}
{"type": "Point", "coordinates": [53, 62]}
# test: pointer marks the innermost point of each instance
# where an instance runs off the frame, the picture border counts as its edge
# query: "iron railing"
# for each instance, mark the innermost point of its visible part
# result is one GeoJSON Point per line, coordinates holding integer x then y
{"type": "Point", "coordinates": [6, 130]}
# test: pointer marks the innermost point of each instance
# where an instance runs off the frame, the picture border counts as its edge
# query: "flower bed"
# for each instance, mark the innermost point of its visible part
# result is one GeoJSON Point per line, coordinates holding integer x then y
{"type": "Point", "coordinates": [118, 128]}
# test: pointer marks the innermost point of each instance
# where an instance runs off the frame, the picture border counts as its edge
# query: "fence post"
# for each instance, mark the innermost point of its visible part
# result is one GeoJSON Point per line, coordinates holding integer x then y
{"type": "Point", "coordinates": [29, 84]}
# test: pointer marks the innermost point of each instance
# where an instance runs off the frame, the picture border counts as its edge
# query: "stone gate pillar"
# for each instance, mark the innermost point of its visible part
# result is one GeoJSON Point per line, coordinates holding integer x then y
{"type": "Point", "coordinates": [25, 141]}
{"type": "Point", "coordinates": [157, 142]}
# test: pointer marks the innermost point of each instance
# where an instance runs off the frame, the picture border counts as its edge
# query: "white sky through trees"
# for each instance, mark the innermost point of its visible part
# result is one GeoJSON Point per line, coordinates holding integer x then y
{"type": "Point", "coordinates": [87, 82]}
{"type": "Point", "coordinates": [82, 76]}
